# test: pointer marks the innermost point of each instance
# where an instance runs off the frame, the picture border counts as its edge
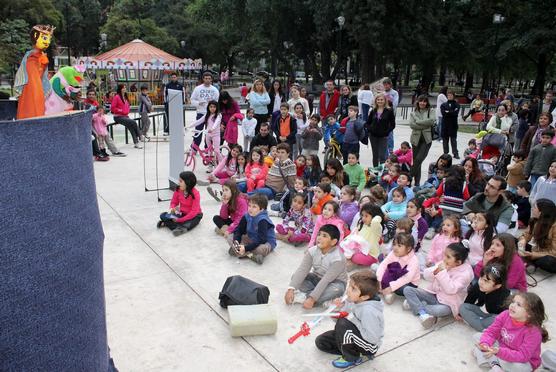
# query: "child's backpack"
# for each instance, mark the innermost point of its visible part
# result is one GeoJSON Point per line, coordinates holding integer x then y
{"type": "Point", "coordinates": [238, 290]}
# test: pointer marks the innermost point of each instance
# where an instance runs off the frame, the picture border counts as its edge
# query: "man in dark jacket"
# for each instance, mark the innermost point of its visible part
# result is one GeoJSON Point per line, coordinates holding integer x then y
{"type": "Point", "coordinates": [264, 137]}
{"type": "Point", "coordinates": [284, 126]}
{"type": "Point", "coordinates": [449, 131]}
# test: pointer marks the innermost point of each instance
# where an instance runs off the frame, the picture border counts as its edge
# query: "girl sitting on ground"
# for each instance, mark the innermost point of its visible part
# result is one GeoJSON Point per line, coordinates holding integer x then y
{"type": "Point", "coordinates": [362, 246]}
{"type": "Point", "coordinates": [405, 156]}
{"type": "Point", "coordinates": [479, 237]}
{"type": "Point", "coordinates": [256, 170]}
{"type": "Point", "coordinates": [234, 206]}
{"type": "Point", "coordinates": [226, 169]}
{"type": "Point", "coordinates": [185, 207]}
{"type": "Point", "coordinates": [348, 205]}
{"type": "Point", "coordinates": [241, 165]}
{"type": "Point", "coordinates": [312, 170]}
{"type": "Point", "coordinates": [451, 233]}
{"type": "Point", "coordinates": [400, 268]}
{"type": "Point", "coordinates": [420, 226]}
{"type": "Point", "coordinates": [513, 341]}
{"type": "Point", "coordinates": [503, 250]}
{"type": "Point", "coordinates": [300, 216]}
{"type": "Point", "coordinates": [329, 216]}
{"type": "Point", "coordinates": [447, 291]}
{"type": "Point", "coordinates": [490, 291]}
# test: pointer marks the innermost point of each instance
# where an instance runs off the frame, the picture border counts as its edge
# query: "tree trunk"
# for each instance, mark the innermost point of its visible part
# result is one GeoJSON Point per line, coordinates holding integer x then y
{"type": "Point", "coordinates": [428, 73]}
{"type": "Point", "coordinates": [468, 81]}
{"type": "Point", "coordinates": [325, 62]}
{"type": "Point", "coordinates": [442, 75]}
{"type": "Point", "coordinates": [367, 63]}
{"type": "Point", "coordinates": [317, 77]}
{"type": "Point", "coordinates": [407, 74]}
{"type": "Point", "coordinates": [540, 78]}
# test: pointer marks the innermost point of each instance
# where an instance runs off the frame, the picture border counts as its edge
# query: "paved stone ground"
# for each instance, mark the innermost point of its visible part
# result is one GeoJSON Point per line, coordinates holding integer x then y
{"type": "Point", "coordinates": [162, 291]}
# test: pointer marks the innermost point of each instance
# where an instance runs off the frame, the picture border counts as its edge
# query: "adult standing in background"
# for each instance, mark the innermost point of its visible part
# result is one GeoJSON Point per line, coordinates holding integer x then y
{"type": "Point", "coordinates": [174, 84]}
{"type": "Point", "coordinates": [449, 132]}
{"type": "Point", "coordinates": [328, 102]}
{"type": "Point", "coordinates": [394, 98]}
{"type": "Point", "coordinates": [421, 122]}
{"type": "Point", "coordinates": [380, 124]}
{"type": "Point", "coordinates": [440, 99]}
{"type": "Point", "coordinates": [277, 97]}
{"type": "Point", "coordinates": [295, 98]}
{"type": "Point", "coordinates": [346, 100]}
{"type": "Point", "coordinates": [231, 117]}
{"type": "Point", "coordinates": [259, 101]}
{"type": "Point", "coordinates": [201, 96]}
{"type": "Point", "coordinates": [309, 97]}
{"type": "Point", "coordinates": [365, 99]}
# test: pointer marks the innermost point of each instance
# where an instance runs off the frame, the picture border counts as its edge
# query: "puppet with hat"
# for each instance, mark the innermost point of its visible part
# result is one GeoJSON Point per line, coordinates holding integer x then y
{"type": "Point", "coordinates": [31, 79]}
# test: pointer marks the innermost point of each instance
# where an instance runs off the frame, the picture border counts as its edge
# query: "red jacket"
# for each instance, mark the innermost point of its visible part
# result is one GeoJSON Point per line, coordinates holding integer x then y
{"type": "Point", "coordinates": [332, 105]}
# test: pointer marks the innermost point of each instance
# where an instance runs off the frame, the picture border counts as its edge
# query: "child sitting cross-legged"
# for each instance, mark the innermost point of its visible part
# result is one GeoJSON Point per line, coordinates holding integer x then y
{"type": "Point", "coordinates": [322, 196]}
{"type": "Point", "coordinates": [256, 170]}
{"type": "Point", "coordinates": [362, 246]}
{"type": "Point", "coordinates": [302, 221]}
{"type": "Point", "coordinates": [322, 275]}
{"type": "Point", "coordinates": [399, 269]}
{"type": "Point", "coordinates": [348, 204]}
{"type": "Point", "coordinates": [185, 207]}
{"type": "Point", "coordinates": [359, 334]}
{"type": "Point", "coordinates": [394, 210]}
{"type": "Point", "coordinates": [489, 291]}
{"type": "Point", "coordinates": [254, 237]}
{"type": "Point", "coordinates": [234, 206]}
{"type": "Point", "coordinates": [329, 216]}
{"type": "Point", "coordinates": [447, 291]}
{"type": "Point", "coordinates": [513, 341]}
{"type": "Point", "coordinates": [451, 233]}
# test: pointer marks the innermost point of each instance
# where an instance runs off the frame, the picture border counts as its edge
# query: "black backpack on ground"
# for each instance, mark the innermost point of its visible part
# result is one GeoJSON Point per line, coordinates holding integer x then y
{"type": "Point", "coordinates": [238, 290]}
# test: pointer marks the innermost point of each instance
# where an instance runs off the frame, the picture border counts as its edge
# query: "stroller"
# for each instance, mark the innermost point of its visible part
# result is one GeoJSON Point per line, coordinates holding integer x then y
{"type": "Point", "coordinates": [495, 154]}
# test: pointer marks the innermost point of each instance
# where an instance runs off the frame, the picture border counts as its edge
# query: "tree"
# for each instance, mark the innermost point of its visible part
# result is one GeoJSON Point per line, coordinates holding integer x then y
{"type": "Point", "coordinates": [14, 42]}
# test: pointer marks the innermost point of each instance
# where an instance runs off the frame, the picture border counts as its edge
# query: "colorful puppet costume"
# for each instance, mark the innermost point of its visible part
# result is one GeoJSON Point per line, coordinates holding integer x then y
{"type": "Point", "coordinates": [66, 84]}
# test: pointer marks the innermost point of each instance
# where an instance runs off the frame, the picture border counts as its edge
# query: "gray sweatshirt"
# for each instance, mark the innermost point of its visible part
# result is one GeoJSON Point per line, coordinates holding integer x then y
{"type": "Point", "coordinates": [329, 267]}
{"type": "Point", "coordinates": [368, 317]}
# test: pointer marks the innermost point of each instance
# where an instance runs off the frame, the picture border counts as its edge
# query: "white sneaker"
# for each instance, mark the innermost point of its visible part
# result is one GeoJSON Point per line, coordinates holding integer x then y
{"type": "Point", "coordinates": [138, 146]}
{"type": "Point", "coordinates": [299, 297]}
{"type": "Point", "coordinates": [405, 305]}
{"type": "Point", "coordinates": [430, 234]}
{"type": "Point", "coordinates": [374, 267]}
{"type": "Point", "coordinates": [389, 298]}
{"type": "Point", "coordinates": [210, 168]}
{"type": "Point", "coordinates": [427, 321]}
{"type": "Point", "coordinates": [272, 213]}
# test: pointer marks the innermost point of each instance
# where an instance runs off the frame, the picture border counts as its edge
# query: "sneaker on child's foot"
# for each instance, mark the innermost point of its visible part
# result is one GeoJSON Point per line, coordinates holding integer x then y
{"type": "Point", "coordinates": [272, 213]}
{"type": "Point", "coordinates": [160, 224]}
{"type": "Point", "coordinates": [495, 367]}
{"type": "Point", "coordinates": [342, 363]}
{"type": "Point", "coordinates": [119, 154]}
{"type": "Point", "coordinates": [179, 231]}
{"type": "Point", "coordinates": [275, 207]}
{"type": "Point", "coordinates": [430, 234]}
{"type": "Point", "coordinates": [427, 321]}
{"type": "Point", "coordinates": [405, 305]}
{"type": "Point", "coordinates": [258, 258]}
{"type": "Point", "coordinates": [213, 193]}
{"type": "Point", "coordinates": [374, 267]}
{"type": "Point", "coordinates": [389, 298]}
{"type": "Point", "coordinates": [299, 297]}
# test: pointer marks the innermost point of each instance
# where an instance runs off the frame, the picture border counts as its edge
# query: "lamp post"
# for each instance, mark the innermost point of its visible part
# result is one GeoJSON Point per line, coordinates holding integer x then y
{"type": "Point", "coordinates": [341, 20]}
{"type": "Point", "coordinates": [497, 19]}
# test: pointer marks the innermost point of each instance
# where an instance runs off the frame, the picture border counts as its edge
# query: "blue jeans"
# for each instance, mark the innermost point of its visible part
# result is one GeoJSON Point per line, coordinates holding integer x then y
{"type": "Point", "coordinates": [439, 127]}
{"type": "Point", "coordinates": [534, 178]}
{"type": "Point", "coordinates": [265, 191]}
{"type": "Point", "coordinates": [365, 111]}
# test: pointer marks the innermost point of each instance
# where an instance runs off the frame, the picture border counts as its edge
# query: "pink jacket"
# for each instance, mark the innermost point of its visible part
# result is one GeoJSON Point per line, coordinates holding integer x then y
{"type": "Point", "coordinates": [516, 273]}
{"type": "Point", "coordinates": [519, 343]}
{"type": "Point", "coordinates": [230, 118]}
{"type": "Point", "coordinates": [213, 124]}
{"type": "Point", "coordinates": [119, 107]}
{"type": "Point", "coordinates": [241, 209]}
{"type": "Point", "coordinates": [406, 158]}
{"type": "Point", "coordinates": [190, 206]}
{"type": "Point", "coordinates": [230, 168]}
{"type": "Point", "coordinates": [438, 246]}
{"type": "Point", "coordinates": [260, 171]}
{"type": "Point", "coordinates": [321, 221]}
{"type": "Point", "coordinates": [99, 124]}
{"type": "Point", "coordinates": [410, 260]}
{"type": "Point", "coordinates": [450, 286]}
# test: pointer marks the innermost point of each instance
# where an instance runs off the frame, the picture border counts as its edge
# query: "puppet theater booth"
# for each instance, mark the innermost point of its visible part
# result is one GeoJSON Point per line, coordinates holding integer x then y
{"type": "Point", "coordinates": [138, 63]}
{"type": "Point", "coordinates": [52, 299]}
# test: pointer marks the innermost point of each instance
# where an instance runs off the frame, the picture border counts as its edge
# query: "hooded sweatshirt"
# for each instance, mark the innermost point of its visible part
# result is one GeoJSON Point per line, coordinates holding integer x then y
{"type": "Point", "coordinates": [368, 317]}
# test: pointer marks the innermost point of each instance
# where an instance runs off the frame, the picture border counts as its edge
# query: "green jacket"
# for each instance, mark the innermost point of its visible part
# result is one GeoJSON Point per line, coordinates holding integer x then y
{"type": "Point", "coordinates": [421, 123]}
{"type": "Point", "coordinates": [356, 175]}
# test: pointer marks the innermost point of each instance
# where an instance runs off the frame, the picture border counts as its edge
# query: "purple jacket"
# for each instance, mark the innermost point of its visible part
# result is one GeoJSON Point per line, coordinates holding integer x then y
{"type": "Point", "coordinates": [422, 227]}
{"type": "Point", "coordinates": [393, 271]}
{"type": "Point", "coordinates": [348, 211]}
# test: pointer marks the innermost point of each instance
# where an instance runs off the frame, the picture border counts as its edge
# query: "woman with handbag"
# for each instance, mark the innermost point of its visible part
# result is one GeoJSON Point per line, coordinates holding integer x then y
{"type": "Point", "coordinates": [421, 123]}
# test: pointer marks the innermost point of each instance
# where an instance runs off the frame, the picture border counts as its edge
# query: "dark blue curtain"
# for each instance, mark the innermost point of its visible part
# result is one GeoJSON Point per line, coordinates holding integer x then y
{"type": "Point", "coordinates": [52, 310]}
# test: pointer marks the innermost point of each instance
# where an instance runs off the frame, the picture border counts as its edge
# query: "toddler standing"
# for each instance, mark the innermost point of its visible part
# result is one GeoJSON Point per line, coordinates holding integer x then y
{"type": "Point", "coordinates": [248, 125]}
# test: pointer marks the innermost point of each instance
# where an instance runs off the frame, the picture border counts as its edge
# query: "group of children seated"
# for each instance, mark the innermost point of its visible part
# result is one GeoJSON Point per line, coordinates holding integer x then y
{"type": "Point", "coordinates": [380, 233]}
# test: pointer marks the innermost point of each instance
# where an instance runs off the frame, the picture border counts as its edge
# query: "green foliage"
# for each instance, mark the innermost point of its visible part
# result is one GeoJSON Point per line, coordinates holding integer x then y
{"type": "Point", "coordinates": [14, 42]}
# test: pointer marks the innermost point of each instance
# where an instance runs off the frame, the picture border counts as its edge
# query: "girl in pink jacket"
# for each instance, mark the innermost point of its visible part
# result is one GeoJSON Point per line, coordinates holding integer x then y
{"type": "Point", "coordinates": [211, 121]}
{"type": "Point", "coordinates": [513, 341]}
{"type": "Point", "coordinates": [234, 206]}
{"type": "Point", "coordinates": [451, 233]}
{"type": "Point", "coordinates": [226, 168]}
{"type": "Point", "coordinates": [405, 156]}
{"type": "Point", "coordinates": [400, 268]}
{"type": "Point", "coordinates": [329, 216]}
{"type": "Point", "coordinates": [447, 291]}
{"type": "Point", "coordinates": [256, 170]}
{"type": "Point", "coordinates": [185, 207]}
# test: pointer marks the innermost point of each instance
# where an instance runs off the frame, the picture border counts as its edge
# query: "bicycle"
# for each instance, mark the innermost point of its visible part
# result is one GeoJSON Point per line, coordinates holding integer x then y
{"type": "Point", "coordinates": [207, 154]}
{"type": "Point", "coordinates": [333, 151]}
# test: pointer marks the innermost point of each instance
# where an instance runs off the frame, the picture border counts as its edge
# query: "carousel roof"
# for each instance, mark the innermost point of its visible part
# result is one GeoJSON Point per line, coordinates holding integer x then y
{"type": "Point", "coordinates": [137, 51]}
